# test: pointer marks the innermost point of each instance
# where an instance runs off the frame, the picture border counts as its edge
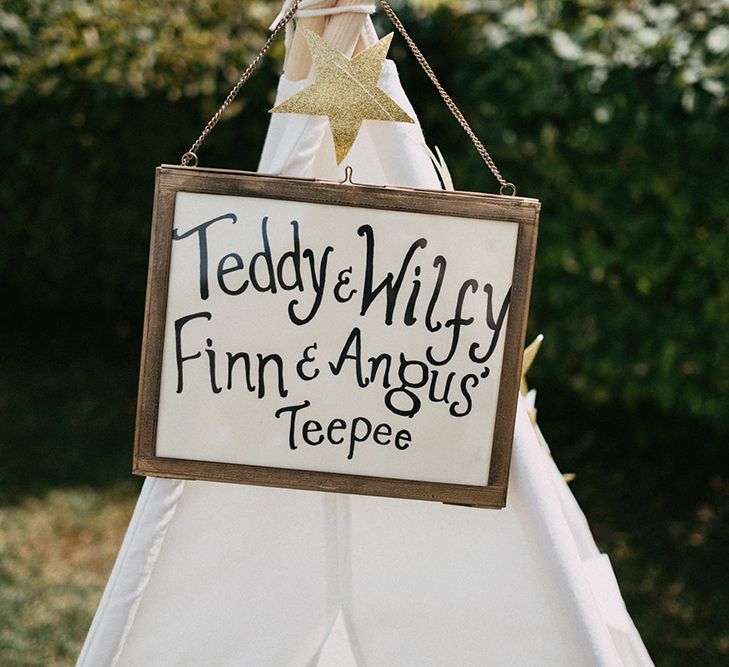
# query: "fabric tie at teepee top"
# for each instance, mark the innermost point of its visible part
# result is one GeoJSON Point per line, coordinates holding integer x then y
{"type": "Point", "coordinates": [308, 9]}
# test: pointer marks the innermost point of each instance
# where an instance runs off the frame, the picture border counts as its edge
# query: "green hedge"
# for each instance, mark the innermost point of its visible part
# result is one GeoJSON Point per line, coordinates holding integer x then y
{"type": "Point", "coordinates": [614, 120]}
{"type": "Point", "coordinates": [631, 288]}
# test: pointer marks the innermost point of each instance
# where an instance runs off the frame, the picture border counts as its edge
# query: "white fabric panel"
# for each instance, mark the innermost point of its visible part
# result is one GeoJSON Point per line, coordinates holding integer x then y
{"type": "Point", "coordinates": [243, 579]}
{"type": "Point", "coordinates": [337, 650]}
{"type": "Point", "coordinates": [155, 508]}
{"type": "Point", "coordinates": [435, 584]}
{"type": "Point", "coordinates": [231, 575]}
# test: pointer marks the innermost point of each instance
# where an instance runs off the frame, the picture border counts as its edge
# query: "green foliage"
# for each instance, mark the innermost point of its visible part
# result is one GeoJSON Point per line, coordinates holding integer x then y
{"type": "Point", "coordinates": [660, 512]}
{"type": "Point", "coordinates": [614, 114]}
{"type": "Point", "coordinates": [623, 136]}
{"type": "Point", "coordinates": [84, 128]}
{"type": "Point", "coordinates": [137, 47]}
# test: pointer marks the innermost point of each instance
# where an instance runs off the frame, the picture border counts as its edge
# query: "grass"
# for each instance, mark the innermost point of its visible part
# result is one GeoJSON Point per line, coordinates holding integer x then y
{"type": "Point", "coordinates": [655, 489]}
{"type": "Point", "coordinates": [56, 552]}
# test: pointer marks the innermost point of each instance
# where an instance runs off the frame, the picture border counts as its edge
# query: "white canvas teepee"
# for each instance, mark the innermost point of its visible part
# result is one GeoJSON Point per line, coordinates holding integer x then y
{"type": "Point", "coordinates": [213, 574]}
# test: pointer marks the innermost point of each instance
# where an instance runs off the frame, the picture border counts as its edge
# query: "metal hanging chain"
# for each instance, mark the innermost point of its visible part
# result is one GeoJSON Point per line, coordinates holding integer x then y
{"type": "Point", "coordinates": [506, 187]}
{"type": "Point", "coordinates": [190, 157]}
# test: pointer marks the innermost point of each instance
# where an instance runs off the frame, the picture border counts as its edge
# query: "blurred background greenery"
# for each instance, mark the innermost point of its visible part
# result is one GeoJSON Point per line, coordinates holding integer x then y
{"type": "Point", "coordinates": [614, 113]}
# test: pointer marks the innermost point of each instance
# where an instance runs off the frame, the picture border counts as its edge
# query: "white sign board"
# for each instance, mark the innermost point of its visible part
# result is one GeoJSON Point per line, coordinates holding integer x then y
{"type": "Point", "coordinates": [361, 335]}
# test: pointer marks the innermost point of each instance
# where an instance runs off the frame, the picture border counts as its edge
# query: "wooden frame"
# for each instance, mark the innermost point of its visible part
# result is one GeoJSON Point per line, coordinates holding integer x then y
{"type": "Point", "coordinates": [171, 180]}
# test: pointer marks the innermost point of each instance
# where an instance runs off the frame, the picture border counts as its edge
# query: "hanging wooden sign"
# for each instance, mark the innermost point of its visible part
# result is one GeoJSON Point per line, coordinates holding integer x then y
{"type": "Point", "coordinates": [333, 337]}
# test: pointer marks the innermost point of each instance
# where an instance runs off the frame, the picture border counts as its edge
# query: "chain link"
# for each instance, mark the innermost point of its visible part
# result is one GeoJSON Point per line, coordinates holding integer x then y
{"type": "Point", "coordinates": [452, 107]}
{"type": "Point", "coordinates": [190, 156]}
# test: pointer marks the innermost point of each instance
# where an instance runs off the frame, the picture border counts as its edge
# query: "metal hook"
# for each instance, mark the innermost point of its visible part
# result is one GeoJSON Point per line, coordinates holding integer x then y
{"type": "Point", "coordinates": [507, 190]}
{"type": "Point", "coordinates": [189, 159]}
{"type": "Point", "coordinates": [347, 176]}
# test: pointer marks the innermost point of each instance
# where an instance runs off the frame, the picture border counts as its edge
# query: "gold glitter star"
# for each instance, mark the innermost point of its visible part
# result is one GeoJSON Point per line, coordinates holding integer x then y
{"type": "Point", "coordinates": [345, 91]}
